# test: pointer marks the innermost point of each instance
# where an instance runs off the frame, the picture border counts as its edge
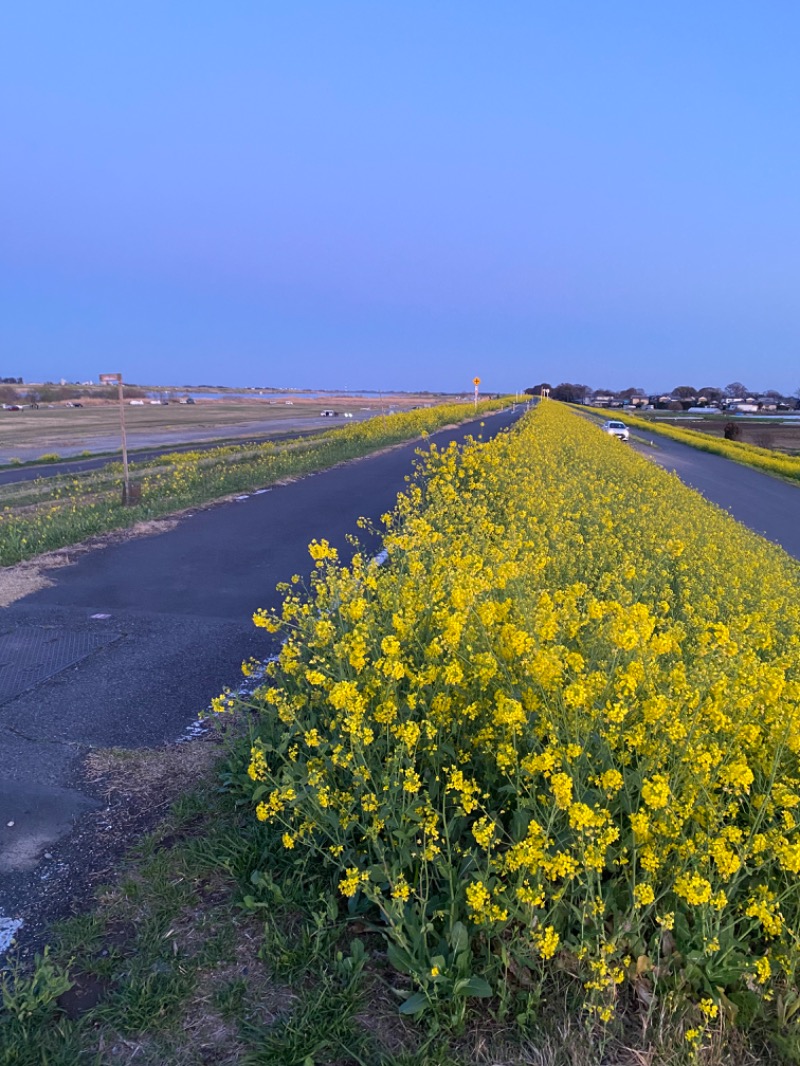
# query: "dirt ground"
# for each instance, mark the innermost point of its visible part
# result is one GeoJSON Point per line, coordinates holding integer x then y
{"type": "Point", "coordinates": [780, 436]}
{"type": "Point", "coordinates": [68, 431]}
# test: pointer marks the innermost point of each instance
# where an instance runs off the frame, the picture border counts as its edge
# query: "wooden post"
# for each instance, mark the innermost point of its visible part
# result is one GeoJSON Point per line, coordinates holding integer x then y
{"type": "Point", "coordinates": [127, 494]}
{"type": "Point", "coordinates": [126, 475]}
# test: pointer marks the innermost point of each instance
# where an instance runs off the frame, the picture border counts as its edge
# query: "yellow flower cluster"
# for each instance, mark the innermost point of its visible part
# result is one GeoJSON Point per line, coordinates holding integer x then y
{"type": "Point", "coordinates": [565, 713]}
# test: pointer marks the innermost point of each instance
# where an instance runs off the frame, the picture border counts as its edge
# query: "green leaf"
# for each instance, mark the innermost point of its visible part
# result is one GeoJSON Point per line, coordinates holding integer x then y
{"type": "Point", "coordinates": [251, 904]}
{"type": "Point", "coordinates": [414, 1004]}
{"type": "Point", "coordinates": [748, 1005]}
{"type": "Point", "coordinates": [399, 959]}
{"type": "Point", "coordinates": [473, 986]}
{"type": "Point", "coordinates": [459, 938]}
{"type": "Point", "coordinates": [377, 875]}
{"type": "Point", "coordinates": [520, 821]}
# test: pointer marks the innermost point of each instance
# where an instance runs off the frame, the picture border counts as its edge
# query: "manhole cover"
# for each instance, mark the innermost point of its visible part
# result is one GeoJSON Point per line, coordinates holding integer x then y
{"type": "Point", "coordinates": [33, 654]}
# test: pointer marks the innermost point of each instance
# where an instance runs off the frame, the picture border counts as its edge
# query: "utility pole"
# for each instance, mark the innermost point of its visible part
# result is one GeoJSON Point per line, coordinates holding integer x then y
{"type": "Point", "coordinates": [116, 379]}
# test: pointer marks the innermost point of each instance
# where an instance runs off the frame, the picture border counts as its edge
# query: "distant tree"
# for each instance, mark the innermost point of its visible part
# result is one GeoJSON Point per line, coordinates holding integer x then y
{"type": "Point", "coordinates": [628, 394]}
{"type": "Point", "coordinates": [684, 392]}
{"type": "Point", "coordinates": [773, 395]}
{"type": "Point", "coordinates": [536, 390]}
{"type": "Point", "coordinates": [736, 388]}
{"type": "Point", "coordinates": [569, 393]}
{"type": "Point", "coordinates": [711, 393]}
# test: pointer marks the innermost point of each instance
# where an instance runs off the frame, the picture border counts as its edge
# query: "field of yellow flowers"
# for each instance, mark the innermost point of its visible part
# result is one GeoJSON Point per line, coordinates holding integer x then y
{"type": "Point", "coordinates": [554, 738]}
{"type": "Point", "coordinates": [47, 514]}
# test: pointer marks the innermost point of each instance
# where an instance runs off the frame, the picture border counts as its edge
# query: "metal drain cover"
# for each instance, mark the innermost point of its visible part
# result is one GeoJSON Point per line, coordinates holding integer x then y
{"type": "Point", "coordinates": [32, 654]}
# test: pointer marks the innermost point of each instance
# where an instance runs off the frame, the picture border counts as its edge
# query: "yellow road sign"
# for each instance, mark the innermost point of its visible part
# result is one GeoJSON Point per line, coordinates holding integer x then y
{"type": "Point", "coordinates": [476, 381]}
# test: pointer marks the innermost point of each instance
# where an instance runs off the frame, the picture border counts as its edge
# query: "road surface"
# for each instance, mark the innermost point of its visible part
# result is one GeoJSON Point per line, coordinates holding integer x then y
{"type": "Point", "coordinates": [154, 628]}
{"type": "Point", "coordinates": [766, 504]}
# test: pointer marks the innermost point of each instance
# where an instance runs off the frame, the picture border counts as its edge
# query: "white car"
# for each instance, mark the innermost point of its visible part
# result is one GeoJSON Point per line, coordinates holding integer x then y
{"type": "Point", "coordinates": [616, 429]}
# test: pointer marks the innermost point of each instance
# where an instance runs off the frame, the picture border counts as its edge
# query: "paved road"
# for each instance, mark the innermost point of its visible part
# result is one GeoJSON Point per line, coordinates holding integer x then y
{"type": "Point", "coordinates": [765, 504]}
{"type": "Point", "coordinates": [163, 624]}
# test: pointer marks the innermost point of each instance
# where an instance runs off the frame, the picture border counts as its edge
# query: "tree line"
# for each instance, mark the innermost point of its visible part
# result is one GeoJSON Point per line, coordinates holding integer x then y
{"type": "Point", "coordinates": [681, 395]}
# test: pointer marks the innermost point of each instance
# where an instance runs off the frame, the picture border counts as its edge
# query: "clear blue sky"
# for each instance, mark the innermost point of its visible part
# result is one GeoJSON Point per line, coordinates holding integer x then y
{"type": "Point", "coordinates": [401, 195]}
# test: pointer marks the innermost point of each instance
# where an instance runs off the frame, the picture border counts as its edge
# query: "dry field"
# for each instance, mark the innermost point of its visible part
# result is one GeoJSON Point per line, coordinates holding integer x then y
{"type": "Point", "coordinates": [69, 431]}
{"type": "Point", "coordinates": [780, 436]}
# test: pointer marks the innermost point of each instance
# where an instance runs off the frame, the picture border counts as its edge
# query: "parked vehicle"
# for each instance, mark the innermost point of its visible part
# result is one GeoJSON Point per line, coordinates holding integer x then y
{"type": "Point", "coordinates": [616, 429]}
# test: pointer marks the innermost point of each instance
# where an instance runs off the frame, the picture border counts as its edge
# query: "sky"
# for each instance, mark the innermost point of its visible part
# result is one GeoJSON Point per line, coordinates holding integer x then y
{"type": "Point", "coordinates": [387, 195]}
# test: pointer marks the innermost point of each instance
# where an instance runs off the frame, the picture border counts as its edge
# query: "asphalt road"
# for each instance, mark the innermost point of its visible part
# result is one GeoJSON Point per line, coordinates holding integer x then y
{"type": "Point", "coordinates": [167, 622]}
{"type": "Point", "coordinates": [765, 504]}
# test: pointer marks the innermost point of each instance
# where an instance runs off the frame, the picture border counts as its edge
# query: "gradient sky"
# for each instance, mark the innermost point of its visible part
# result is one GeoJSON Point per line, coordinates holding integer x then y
{"type": "Point", "coordinates": [401, 195]}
